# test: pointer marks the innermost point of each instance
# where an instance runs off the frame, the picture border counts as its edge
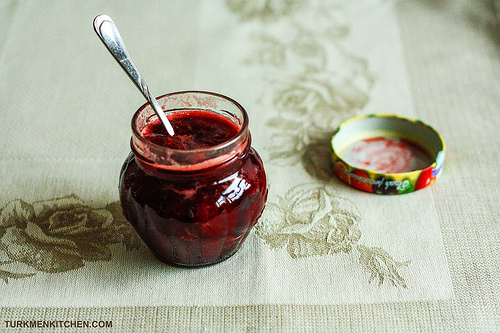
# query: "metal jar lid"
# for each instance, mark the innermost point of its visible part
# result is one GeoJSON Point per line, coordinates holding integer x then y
{"type": "Point", "coordinates": [387, 154]}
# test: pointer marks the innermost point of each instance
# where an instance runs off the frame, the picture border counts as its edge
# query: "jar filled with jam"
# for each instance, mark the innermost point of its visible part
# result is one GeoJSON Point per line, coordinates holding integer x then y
{"type": "Point", "coordinates": [193, 197]}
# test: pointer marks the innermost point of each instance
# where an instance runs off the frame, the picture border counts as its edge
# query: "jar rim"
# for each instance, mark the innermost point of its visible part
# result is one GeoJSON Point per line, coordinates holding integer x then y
{"type": "Point", "coordinates": [207, 153]}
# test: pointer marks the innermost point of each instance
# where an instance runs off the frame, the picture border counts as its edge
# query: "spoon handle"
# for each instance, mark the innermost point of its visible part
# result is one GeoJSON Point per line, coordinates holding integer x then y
{"type": "Point", "coordinates": [110, 36]}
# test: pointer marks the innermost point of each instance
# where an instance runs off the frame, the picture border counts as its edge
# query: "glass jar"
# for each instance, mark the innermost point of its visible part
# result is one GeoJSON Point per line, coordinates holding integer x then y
{"type": "Point", "coordinates": [193, 207]}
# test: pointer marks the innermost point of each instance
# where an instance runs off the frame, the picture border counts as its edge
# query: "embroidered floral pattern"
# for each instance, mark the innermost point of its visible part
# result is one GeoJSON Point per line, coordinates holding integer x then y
{"type": "Point", "coordinates": [314, 83]}
{"type": "Point", "coordinates": [380, 264]}
{"type": "Point", "coordinates": [311, 220]}
{"type": "Point", "coordinates": [249, 9]}
{"type": "Point", "coordinates": [59, 235]}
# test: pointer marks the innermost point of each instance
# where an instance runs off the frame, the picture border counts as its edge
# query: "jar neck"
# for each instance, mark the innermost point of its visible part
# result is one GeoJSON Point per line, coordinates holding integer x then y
{"type": "Point", "coordinates": [162, 167]}
{"type": "Point", "coordinates": [159, 160]}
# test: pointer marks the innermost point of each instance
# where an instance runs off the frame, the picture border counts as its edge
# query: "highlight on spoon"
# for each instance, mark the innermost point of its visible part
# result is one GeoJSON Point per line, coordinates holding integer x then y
{"type": "Point", "coordinates": [107, 31]}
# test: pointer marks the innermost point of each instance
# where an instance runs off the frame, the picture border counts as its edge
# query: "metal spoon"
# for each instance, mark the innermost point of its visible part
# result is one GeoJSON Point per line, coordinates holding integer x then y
{"type": "Point", "coordinates": [108, 33]}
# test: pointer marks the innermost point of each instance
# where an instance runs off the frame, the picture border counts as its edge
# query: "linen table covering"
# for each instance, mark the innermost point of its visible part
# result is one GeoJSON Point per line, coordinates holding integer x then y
{"type": "Point", "coordinates": [323, 256]}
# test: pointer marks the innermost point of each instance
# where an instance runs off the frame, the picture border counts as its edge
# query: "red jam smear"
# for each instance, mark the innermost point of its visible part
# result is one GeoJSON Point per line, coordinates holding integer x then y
{"type": "Point", "coordinates": [194, 218]}
{"type": "Point", "coordinates": [387, 155]}
{"type": "Point", "coordinates": [193, 130]}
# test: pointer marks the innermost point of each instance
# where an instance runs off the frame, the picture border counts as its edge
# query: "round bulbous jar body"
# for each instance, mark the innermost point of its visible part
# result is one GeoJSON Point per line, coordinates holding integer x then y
{"type": "Point", "coordinates": [194, 206]}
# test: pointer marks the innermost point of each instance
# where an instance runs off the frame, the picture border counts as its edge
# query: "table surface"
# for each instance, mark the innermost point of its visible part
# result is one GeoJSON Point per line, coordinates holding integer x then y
{"type": "Point", "coordinates": [323, 256]}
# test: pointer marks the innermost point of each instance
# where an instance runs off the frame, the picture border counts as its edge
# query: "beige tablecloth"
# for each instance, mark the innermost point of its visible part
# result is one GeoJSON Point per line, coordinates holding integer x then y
{"type": "Point", "coordinates": [347, 261]}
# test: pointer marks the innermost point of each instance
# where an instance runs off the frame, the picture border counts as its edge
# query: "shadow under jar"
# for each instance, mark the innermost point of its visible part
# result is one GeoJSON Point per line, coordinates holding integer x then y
{"type": "Point", "coordinates": [194, 197]}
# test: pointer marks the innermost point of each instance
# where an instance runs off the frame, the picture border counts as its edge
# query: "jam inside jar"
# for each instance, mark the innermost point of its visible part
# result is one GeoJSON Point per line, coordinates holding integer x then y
{"type": "Point", "coordinates": [193, 198]}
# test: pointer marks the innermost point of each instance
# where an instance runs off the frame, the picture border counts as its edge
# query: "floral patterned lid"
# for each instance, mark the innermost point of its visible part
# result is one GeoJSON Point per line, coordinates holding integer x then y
{"type": "Point", "coordinates": [387, 154]}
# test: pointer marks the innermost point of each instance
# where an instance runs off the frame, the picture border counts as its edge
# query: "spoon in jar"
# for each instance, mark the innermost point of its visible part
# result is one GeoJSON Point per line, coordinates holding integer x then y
{"type": "Point", "coordinates": [108, 33]}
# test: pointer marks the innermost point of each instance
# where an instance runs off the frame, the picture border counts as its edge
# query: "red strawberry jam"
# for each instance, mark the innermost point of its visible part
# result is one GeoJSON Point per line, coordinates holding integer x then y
{"type": "Point", "coordinates": [193, 130]}
{"type": "Point", "coordinates": [193, 197]}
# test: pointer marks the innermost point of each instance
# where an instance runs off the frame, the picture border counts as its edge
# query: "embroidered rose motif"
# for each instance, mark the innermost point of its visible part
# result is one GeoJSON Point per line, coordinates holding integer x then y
{"type": "Point", "coordinates": [60, 234]}
{"type": "Point", "coordinates": [303, 51]}
{"type": "Point", "coordinates": [288, 146]}
{"type": "Point", "coordinates": [318, 96]}
{"type": "Point", "coordinates": [310, 221]}
{"type": "Point", "coordinates": [263, 9]}
{"type": "Point", "coordinates": [310, 106]}
{"type": "Point", "coordinates": [315, 220]}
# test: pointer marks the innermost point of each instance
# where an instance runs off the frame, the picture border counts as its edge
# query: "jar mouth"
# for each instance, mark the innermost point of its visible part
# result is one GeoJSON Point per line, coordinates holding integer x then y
{"type": "Point", "coordinates": [168, 158]}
